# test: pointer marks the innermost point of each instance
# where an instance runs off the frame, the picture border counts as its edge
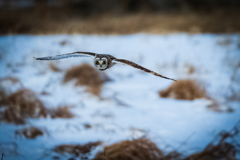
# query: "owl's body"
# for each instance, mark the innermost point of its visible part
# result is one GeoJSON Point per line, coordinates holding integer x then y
{"type": "Point", "coordinates": [102, 61]}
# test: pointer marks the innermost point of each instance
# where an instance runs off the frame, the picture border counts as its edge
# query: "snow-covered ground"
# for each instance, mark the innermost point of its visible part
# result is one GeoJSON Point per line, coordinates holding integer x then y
{"type": "Point", "coordinates": [130, 106]}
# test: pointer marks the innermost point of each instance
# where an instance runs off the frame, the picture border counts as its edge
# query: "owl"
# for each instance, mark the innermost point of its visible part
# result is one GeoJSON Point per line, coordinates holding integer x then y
{"type": "Point", "coordinates": [102, 61]}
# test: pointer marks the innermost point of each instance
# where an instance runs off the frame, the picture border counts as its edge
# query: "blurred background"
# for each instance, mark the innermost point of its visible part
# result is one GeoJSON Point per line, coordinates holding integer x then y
{"type": "Point", "coordinates": [67, 109]}
{"type": "Point", "coordinates": [118, 16]}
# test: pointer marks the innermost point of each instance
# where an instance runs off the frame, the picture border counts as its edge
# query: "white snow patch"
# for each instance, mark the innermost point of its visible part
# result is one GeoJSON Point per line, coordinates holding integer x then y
{"type": "Point", "coordinates": [131, 106]}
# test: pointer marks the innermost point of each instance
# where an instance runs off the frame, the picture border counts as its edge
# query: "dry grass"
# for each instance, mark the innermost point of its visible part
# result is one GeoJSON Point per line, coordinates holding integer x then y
{"type": "Point", "coordinates": [54, 67]}
{"type": "Point", "coordinates": [12, 116]}
{"type": "Point", "coordinates": [88, 76]}
{"type": "Point", "coordinates": [138, 149]}
{"type": "Point", "coordinates": [6, 87]}
{"type": "Point", "coordinates": [29, 133]}
{"type": "Point", "coordinates": [223, 151]}
{"type": "Point", "coordinates": [12, 79]}
{"type": "Point", "coordinates": [87, 126]}
{"type": "Point", "coordinates": [144, 149]}
{"type": "Point", "coordinates": [183, 89]}
{"type": "Point", "coordinates": [77, 149]}
{"type": "Point", "coordinates": [44, 93]}
{"type": "Point", "coordinates": [191, 69]}
{"type": "Point", "coordinates": [55, 21]}
{"type": "Point", "coordinates": [224, 146]}
{"type": "Point", "coordinates": [60, 112]}
{"type": "Point", "coordinates": [2, 97]}
{"type": "Point", "coordinates": [23, 104]}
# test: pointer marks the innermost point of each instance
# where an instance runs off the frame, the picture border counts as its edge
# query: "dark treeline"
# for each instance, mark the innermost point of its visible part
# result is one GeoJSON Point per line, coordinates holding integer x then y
{"type": "Point", "coordinates": [93, 6]}
{"type": "Point", "coordinates": [118, 16]}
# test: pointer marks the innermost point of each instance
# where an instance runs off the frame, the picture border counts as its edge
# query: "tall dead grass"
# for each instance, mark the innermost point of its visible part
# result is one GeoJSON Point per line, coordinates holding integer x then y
{"type": "Point", "coordinates": [7, 86]}
{"type": "Point", "coordinates": [60, 112]}
{"type": "Point", "coordinates": [184, 89]}
{"type": "Point", "coordinates": [138, 149]}
{"type": "Point", "coordinates": [144, 149]}
{"type": "Point", "coordinates": [2, 97]}
{"type": "Point", "coordinates": [54, 67]}
{"type": "Point", "coordinates": [224, 146]}
{"type": "Point", "coordinates": [23, 104]}
{"type": "Point", "coordinates": [223, 151]}
{"type": "Point", "coordinates": [86, 75]}
{"type": "Point", "coordinates": [77, 149]}
{"type": "Point", "coordinates": [29, 133]}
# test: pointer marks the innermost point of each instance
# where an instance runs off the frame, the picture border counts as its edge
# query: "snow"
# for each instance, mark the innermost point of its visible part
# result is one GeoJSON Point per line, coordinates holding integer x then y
{"type": "Point", "coordinates": [130, 106]}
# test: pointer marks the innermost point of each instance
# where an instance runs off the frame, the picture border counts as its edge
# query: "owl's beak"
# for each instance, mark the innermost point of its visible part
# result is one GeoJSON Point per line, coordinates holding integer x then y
{"type": "Point", "coordinates": [101, 62]}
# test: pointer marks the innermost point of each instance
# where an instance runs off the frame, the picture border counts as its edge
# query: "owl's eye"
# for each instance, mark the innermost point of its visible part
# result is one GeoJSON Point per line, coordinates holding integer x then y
{"type": "Point", "coordinates": [97, 63]}
{"type": "Point", "coordinates": [104, 62]}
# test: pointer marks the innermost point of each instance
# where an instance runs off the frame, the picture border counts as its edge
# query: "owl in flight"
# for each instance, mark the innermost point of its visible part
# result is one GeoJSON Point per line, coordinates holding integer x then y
{"type": "Point", "coordinates": [102, 61]}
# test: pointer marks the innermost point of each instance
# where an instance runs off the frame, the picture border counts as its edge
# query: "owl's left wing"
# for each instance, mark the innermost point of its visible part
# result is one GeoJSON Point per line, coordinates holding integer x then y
{"type": "Point", "coordinates": [68, 55]}
{"type": "Point", "coordinates": [126, 62]}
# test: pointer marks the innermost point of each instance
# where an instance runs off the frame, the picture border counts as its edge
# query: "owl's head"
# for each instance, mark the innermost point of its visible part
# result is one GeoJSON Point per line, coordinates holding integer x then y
{"type": "Point", "coordinates": [101, 63]}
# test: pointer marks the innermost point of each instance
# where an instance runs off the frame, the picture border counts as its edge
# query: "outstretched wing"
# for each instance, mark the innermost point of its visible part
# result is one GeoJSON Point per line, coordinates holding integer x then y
{"type": "Point", "coordinates": [68, 55]}
{"type": "Point", "coordinates": [123, 61]}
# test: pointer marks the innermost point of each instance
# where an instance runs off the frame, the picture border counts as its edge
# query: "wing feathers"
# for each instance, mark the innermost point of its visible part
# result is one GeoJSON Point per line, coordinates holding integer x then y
{"type": "Point", "coordinates": [68, 55]}
{"type": "Point", "coordinates": [123, 61]}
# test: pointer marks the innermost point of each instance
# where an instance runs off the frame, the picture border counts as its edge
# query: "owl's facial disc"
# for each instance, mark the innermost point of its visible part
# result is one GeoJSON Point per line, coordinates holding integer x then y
{"type": "Point", "coordinates": [100, 63]}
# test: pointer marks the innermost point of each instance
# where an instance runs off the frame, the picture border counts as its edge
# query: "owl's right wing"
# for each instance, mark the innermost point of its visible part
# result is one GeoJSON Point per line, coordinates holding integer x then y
{"type": "Point", "coordinates": [68, 55]}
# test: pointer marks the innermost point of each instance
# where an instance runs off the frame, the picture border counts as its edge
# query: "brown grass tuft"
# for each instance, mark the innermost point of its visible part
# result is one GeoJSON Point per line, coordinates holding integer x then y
{"type": "Point", "coordinates": [12, 116]}
{"type": "Point", "coordinates": [54, 67]}
{"type": "Point", "coordinates": [140, 149]}
{"type": "Point", "coordinates": [60, 112]}
{"type": "Point", "coordinates": [87, 126]}
{"type": "Point", "coordinates": [183, 89]}
{"type": "Point", "coordinates": [29, 133]}
{"type": "Point", "coordinates": [191, 69]}
{"type": "Point", "coordinates": [2, 97]}
{"type": "Point", "coordinates": [12, 79]}
{"type": "Point", "coordinates": [224, 151]}
{"type": "Point", "coordinates": [88, 76]}
{"type": "Point", "coordinates": [77, 149]}
{"type": "Point", "coordinates": [7, 86]}
{"type": "Point", "coordinates": [44, 93]}
{"type": "Point", "coordinates": [23, 104]}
